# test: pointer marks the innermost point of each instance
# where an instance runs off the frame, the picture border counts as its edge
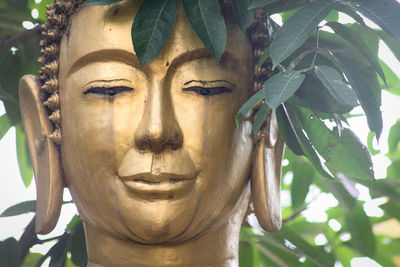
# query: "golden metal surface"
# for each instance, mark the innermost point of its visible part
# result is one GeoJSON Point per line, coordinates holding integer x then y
{"type": "Point", "coordinates": [157, 168]}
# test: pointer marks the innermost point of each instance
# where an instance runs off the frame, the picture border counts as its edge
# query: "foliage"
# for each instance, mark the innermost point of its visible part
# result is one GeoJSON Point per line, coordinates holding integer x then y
{"type": "Point", "coordinates": [319, 77]}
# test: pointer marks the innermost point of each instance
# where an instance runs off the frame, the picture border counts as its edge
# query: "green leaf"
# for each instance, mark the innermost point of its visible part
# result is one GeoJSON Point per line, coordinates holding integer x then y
{"type": "Point", "coordinates": [77, 246]}
{"type": "Point", "coordinates": [20, 208]}
{"type": "Point", "coordinates": [319, 257]}
{"type": "Point", "coordinates": [307, 148]}
{"type": "Point", "coordinates": [31, 259]}
{"type": "Point", "coordinates": [382, 187]}
{"type": "Point", "coordinates": [385, 13]}
{"type": "Point", "coordinates": [281, 86]}
{"type": "Point", "coordinates": [207, 21]}
{"type": "Point", "coordinates": [248, 255]}
{"type": "Point", "coordinates": [151, 28]}
{"type": "Point", "coordinates": [249, 105]}
{"type": "Point", "coordinates": [265, 55]}
{"type": "Point", "coordinates": [100, 2]}
{"type": "Point", "coordinates": [365, 94]}
{"type": "Point", "coordinates": [303, 175]}
{"type": "Point", "coordinates": [392, 209]}
{"type": "Point", "coordinates": [332, 16]}
{"type": "Point", "coordinates": [287, 132]}
{"type": "Point", "coordinates": [259, 3]}
{"type": "Point", "coordinates": [9, 253]}
{"type": "Point", "coordinates": [333, 81]}
{"type": "Point", "coordinates": [57, 253]}
{"type": "Point", "coordinates": [18, 4]}
{"type": "Point", "coordinates": [24, 161]}
{"type": "Point", "coordinates": [297, 29]}
{"type": "Point", "coordinates": [360, 229]}
{"type": "Point", "coordinates": [392, 80]}
{"type": "Point", "coordinates": [356, 39]}
{"type": "Point", "coordinates": [346, 199]}
{"type": "Point", "coordinates": [370, 144]}
{"type": "Point", "coordinates": [260, 118]}
{"type": "Point", "coordinates": [391, 43]}
{"type": "Point", "coordinates": [350, 12]}
{"type": "Point", "coordinates": [5, 125]}
{"type": "Point", "coordinates": [394, 137]}
{"type": "Point", "coordinates": [343, 153]}
{"type": "Point", "coordinates": [243, 16]}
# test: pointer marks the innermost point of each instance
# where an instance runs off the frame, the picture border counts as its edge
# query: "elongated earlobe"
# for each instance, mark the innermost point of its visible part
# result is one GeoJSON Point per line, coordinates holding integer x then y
{"type": "Point", "coordinates": [266, 178]}
{"type": "Point", "coordinates": [44, 155]}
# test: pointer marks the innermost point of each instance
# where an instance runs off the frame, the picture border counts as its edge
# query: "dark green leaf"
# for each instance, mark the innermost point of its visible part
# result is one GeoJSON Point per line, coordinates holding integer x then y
{"type": "Point", "coordinates": [9, 253]}
{"type": "Point", "coordinates": [24, 161]}
{"type": "Point", "coordinates": [5, 125]}
{"type": "Point", "coordinates": [333, 81]}
{"type": "Point", "coordinates": [18, 4]}
{"type": "Point", "coordinates": [298, 28]}
{"type": "Point", "coordinates": [364, 92]}
{"type": "Point", "coordinates": [100, 2]}
{"type": "Point", "coordinates": [392, 209]}
{"type": "Point", "coordinates": [249, 105]}
{"type": "Point", "coordinates": [281, 86]}
{"type": "Point", "coordinates": [151, 28]}
{"type": "Point", "coordinates": [77, 246]}
{"type": "Point", "coordinates": [385, 13]}
{"type": "Point", "coordinates": [343, 154]}
{"type": "Point", "coordinates": [20, 208]}
{"type": "Point", "coordinates": [303, 175]}
{"type": "Point", "coordinates": [287, 132]}
{"type": "Point", "coordinates": [244, 17]}
{"type": "Point", "coordinates": [259, 3]}
{"type": "Point", "coordinates": [58, 253]}
{"type": "Point", "coordinates": [265, 55]}
{"type": "Point", "coordinates": [207, 21]}
{"type": "Point", "coordinates": [356, 39]}
{"type": "Point", "coordinates": [360, 229]}
{"type": "Point", "coordinates": [260, 118]}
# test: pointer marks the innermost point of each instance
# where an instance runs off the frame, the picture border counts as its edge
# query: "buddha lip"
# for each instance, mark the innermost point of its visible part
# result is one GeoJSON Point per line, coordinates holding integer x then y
{"type": "Point", "coordinates": [158, 178]}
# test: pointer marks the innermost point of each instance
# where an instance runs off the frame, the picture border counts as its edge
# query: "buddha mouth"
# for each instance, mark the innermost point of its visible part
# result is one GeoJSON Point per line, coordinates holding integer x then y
{"type": "Point", "coordinates": [160, 185]}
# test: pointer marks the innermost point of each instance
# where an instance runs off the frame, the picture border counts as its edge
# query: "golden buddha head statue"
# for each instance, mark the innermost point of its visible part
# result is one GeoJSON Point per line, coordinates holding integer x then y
{"type": "Point", "coordinates": [150, 154]}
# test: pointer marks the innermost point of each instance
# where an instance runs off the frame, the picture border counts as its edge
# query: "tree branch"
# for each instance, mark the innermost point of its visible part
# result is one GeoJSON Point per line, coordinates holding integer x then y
{"type": "Point", "coordinates": [6, 44]}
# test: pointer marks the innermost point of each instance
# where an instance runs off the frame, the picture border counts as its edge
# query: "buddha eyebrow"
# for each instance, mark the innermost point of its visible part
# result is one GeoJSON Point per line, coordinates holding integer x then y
{"type": "Point", "coordinates": [209, 82]}
{"type": "Point", "coordinates": [108, 81]}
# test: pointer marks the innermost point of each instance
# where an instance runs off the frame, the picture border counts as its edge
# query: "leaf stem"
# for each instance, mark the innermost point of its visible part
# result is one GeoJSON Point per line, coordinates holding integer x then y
{"type": "Point", "coordinates": [316, 49]}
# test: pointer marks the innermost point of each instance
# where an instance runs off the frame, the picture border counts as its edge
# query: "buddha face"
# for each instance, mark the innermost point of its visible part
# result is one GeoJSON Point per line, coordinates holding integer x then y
{"type": "Point", "coordinates": [152, 154]}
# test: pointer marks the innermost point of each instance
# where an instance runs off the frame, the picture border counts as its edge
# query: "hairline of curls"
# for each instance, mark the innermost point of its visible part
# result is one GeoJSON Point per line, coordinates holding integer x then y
{"type": "Point", "coordinates": [59, 15]}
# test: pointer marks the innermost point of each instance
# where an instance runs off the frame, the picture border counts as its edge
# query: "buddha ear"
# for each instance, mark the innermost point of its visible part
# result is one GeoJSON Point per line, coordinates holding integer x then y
{"type": "Point", "coordinates": [266, 177]}
{"type": "Point", "coordinates": [44, 154]}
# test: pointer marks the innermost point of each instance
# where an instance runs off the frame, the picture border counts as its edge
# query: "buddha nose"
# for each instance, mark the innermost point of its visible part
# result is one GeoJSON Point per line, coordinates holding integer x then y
{"type": "Point", "coordinates": [158, 129]}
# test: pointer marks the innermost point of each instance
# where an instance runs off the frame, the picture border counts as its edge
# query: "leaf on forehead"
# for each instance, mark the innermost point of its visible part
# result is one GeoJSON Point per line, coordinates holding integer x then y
{"type": "Point", "coordinates": [207, 21]}
{"type": "Point", "coordinates": [243, 16]}
{"type": "Point", "coordinates": [151, 28]}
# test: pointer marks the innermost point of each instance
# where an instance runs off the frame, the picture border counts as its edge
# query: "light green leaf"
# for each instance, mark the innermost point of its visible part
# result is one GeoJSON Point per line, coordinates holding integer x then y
{"type": "Point", "coordinates": [24, 161]}
{"type": "Point", "coordinates": [356, 39]}
{"type": "Point", "coordinates": [365, 93]}
{"type": "Point", "coordinates": [281, 86]}
{"type": "Point", "coordinates": [392, 80]}
{"type": "Point", "coordinates": [394, 138]}
{"type": "Point", "coordinates": [385, 13]}
{"type": "Point", "coordinates": [303, 175]}
{"type": "Point", "coordinates": [332, 16]}
{"type": "Point", "coordinates": [100, 2]}
{"type": "Point", "coordinates": [259, 3]}
{"type": "Point", "coordinates": [20, 208]}
{"type": "Point", "coordinates": [151, 28]}
{"type": "Point", "coordinates": [343, 154]}
{"type": "Point", "coordinates": [248, 255]}
{"type": "Point", "coordinates": [260, 118]}
{"type": "Point", "coordinates": [249, 105]}
{"type": "Point", "coordinates": [359, 226]}
{"type": "Point", "coordinates": [5, 125]}
{"type": "Point", "coordinates": [298, 28]}
{"type": "Point", "coordinates": [31, 259]}
{"type": "Point", "coordinates": [243, 16]}
{"type": "Point", "coordinates": [207, 21]}
{"type": "Point", "coordinates": [333, 81]}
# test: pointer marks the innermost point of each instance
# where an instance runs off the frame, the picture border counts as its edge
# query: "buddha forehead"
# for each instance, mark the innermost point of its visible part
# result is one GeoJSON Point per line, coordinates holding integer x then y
{"type": "Point", "coordinates": [104, 32]}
